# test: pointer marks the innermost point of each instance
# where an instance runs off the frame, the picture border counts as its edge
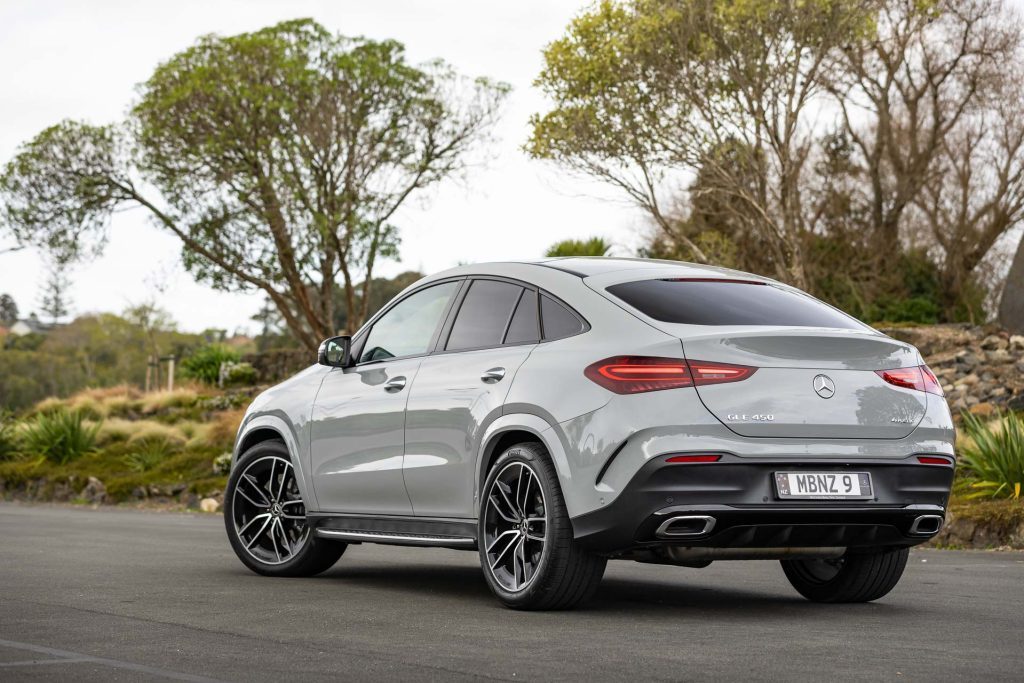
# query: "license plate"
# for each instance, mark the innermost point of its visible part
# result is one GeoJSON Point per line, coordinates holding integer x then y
{"type": "Point", "coordinates": [823, 485]}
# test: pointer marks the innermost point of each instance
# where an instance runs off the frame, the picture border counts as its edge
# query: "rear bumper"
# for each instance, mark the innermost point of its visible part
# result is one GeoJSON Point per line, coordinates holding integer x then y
{"type": "Point", "coordinates": [738, 495]}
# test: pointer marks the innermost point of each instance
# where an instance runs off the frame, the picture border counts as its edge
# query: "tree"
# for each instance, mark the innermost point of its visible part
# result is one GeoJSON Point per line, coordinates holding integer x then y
{"type": "Point", "coordinates": [8, 310]}
{"type": "Point", "coordinates": [645, 91]}
{"type": "Point", "coordinates": [594, 246]}
{"type": "Point", "coordinates": [904, 87]}
{"type": "Point", "coordinates": [54, 300]}
{"type": "Point", "coordinates": [279, 158]}
{"type": "Point", "coordinates": [381, 292]}
{"type": "Point", "coordinates": [976, 194]}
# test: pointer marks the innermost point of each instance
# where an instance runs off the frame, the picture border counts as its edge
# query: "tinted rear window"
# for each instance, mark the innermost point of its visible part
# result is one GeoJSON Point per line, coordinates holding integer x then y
{"type": "Point", "coordinates": [704, 302]}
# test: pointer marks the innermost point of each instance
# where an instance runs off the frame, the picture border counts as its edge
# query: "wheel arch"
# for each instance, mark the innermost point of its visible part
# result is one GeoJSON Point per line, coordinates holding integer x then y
{"type": "Point", "coordinates": [268, 427]}
{"type": "Point", "coordinates": [511, 429]}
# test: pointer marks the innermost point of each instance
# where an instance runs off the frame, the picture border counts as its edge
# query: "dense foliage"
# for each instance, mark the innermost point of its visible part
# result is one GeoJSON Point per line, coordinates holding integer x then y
{"type": "Point", "coordinates": [205, 363]}
{"type": "Point", "coordinates": [994, 456]}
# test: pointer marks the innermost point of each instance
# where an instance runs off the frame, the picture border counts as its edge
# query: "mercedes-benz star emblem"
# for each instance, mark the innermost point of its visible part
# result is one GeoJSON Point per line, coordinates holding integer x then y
{"type": "Point", "coordinates": [824, 386]}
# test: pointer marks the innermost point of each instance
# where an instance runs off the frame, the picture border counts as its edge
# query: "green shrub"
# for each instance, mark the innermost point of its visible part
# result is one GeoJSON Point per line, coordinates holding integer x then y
{"type": "Point", "coordinates": [239, 375]}
{"type": "Point", "coordinates": [204, 364]}
{"type": "Point", "coordinates": [994, 456]}
{"type": "Point", "coordinates": [60, 436]}
{"type": "Point", "coordinates": [149, 454]}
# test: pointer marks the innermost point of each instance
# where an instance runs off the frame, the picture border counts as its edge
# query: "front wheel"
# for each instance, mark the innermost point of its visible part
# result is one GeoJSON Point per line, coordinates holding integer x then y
{"type": "Point", "coordinates": [265, 517]}
{"type": "Point", "coordinates": [527, 550]}
{"type": "Point", "coordinates": [861, 577]}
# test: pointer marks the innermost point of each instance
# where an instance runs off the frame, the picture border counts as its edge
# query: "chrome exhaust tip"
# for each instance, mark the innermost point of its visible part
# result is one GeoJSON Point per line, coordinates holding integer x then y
{"type": "Point", "coordinates": [926, 525]}
{"type": "Point", "coordinates": [685, 526]}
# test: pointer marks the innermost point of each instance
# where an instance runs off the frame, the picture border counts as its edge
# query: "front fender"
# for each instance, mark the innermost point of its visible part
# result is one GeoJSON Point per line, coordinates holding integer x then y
{"type": "Point", "coordinates": [277, 421]}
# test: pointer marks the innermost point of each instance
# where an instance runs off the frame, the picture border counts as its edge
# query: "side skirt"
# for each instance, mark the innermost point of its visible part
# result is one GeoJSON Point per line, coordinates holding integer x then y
{"type": "Point", "coordinates": [433, 532]}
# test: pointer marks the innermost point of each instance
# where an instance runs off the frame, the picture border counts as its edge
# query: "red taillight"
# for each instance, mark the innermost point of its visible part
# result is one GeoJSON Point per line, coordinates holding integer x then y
{"type": "Point", "coordinates": [920, 378]}
{"type": "Point", "coordinates": [694, 458]}
{"type": "Point", "coordinates": [637, 374]}
{"type": "Point", "coordinates": [933, 460]}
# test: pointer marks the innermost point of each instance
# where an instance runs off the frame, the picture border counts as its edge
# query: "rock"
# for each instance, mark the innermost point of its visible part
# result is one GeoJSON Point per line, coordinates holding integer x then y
{"type": "Point", "coordinates": [209, 505]}
{"type": "Point", "coordinates": [969, 380]}
{"type": "Point", "coordinates": [94, 492]}
{"type": "Point", "coordinates": [189, 499]}
{"type": "Point", "coordinates": [994, 341]}
{"type": "Point", "coordinates": [1017, 536]}
{"type": "Point", "coordinates": [1017, 342]}
{"type": "Point", "coordinates": [139, 493]}
{"type": "Point", "coordinates": [999, 356]}
{"type": "Point", "coordinates": [966, 358]}
{"type": "Point", "coordinates": [1016, 403]}
{"type": "Point", "coordinates": [62, 492]}
{"type": "Point", "coordinates": [985, 537]}
{"type": "Point", "coordinates": [961, 531]}
{"type": "Point", "coordinates": [983, 410]}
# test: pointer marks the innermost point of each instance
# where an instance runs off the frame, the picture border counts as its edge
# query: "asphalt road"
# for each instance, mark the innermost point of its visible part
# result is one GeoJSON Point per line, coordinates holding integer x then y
{"type": "Point", "coordinates": [125, 595]}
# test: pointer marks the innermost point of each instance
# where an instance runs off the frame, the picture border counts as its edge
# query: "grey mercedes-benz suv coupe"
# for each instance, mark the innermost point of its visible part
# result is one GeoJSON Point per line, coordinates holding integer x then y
{"type": "Point", "coordinates": [556, 414]}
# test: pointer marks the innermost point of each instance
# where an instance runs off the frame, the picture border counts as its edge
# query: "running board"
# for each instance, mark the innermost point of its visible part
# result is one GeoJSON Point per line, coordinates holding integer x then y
{"type": "Point", "coordinates": [396, 539]}
{"type": "Point", "coordinates": [396, 530]}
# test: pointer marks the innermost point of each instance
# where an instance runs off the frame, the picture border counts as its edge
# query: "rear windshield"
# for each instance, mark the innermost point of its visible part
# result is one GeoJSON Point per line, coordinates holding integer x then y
{"type": "Point", "coordinates": [728, 302]}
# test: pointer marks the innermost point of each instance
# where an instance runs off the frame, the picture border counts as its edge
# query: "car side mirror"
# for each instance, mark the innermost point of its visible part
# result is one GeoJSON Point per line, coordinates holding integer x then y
{"type": "Point", "coordinates": [335, 352]}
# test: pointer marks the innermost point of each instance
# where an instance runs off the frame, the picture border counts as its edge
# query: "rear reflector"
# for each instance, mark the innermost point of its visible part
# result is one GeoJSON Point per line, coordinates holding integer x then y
{"type": "Point", "coordinates": [637, 374]}
{"type": "Point", "coordinates": [920, 378]}
{"type": "Point", "coordinates": [933, 460]}
{"type": "Point", "coordinates": [694, 458]}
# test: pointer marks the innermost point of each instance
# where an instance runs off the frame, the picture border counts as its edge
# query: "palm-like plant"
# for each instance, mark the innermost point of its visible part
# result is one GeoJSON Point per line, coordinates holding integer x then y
{"type": "Point", "coordinates": [995, 457]}
{"type": "Point", "coordinates": [61, 436]}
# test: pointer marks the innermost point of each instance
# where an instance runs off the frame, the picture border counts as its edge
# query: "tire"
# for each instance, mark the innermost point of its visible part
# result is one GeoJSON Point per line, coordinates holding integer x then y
{"type": "Point", "coordinates": [553, 573]}
{"type": "Point", "coordinates": [266, 524]}
{"type": "Point", "coordinates": [851, 578]}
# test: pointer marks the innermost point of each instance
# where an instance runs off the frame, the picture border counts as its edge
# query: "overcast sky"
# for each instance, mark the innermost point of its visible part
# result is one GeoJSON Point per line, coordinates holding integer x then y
{"type": "Point", "coordinates": [81, 60]}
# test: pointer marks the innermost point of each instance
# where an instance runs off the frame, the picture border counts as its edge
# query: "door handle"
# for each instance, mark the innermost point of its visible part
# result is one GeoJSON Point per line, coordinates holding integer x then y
{"type": "Point", "coordinates": [493, 375]}
{"type": "Point", "coordinates": [395, 384]}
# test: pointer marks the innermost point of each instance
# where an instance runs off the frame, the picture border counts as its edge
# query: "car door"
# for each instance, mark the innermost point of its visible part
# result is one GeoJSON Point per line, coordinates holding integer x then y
{"type": "Point", "coordinates": [460, 389]}
{"type": "Point", "coordinates": [358, 421]}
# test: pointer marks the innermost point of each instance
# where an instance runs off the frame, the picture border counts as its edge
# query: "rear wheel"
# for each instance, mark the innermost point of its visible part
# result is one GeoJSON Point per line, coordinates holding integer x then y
{"type": "Point", "coordinates": [861, 577]}
{"type": "Point", "coordinates": [265, 517]}
{"type": "Point", "coordinates": [527, 550]}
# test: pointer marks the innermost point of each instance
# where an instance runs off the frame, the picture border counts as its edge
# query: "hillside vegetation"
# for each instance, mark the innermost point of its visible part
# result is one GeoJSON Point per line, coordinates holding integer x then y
{"type": "Point", "coordinates": [117, 444]}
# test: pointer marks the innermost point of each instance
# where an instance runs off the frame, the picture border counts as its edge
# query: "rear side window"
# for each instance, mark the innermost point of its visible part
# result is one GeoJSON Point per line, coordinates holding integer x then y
{"type": "Point", "coordinates": [524, 326]}
{"type": "Point", "coordinates": [728, 302]}
{"type": "Point", "coordinates": [484, 315]}
{"type": "Point", "coordinates": [558, 321]}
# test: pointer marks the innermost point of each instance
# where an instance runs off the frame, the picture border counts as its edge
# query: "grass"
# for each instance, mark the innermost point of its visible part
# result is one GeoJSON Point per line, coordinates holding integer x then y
{"type": "Point", "coordinates": [164, 400]}
{"type": "Point", "coordinates": [993, 455]}
{"type": "Point", "coordinates": [148, 454]}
